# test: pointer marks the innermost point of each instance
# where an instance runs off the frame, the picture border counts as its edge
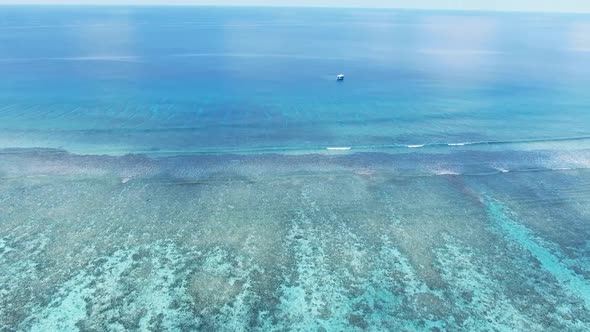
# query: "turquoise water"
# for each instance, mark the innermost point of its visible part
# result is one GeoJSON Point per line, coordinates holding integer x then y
{"type": "Point", "coordinates": [168, 169]}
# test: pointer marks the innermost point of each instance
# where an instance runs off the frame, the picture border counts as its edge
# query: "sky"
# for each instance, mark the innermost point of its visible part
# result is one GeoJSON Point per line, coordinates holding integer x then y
{"type": "Point", "coordinates": [579, 6]}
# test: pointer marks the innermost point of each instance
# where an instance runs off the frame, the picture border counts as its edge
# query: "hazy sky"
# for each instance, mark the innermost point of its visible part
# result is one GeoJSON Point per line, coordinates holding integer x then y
{"type": "Point", "coordinates": [518, 5]}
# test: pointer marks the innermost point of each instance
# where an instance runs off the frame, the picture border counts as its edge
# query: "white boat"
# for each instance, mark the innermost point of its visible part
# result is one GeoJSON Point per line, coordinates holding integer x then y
{"type": "Point", "coordinates": [340, 77]}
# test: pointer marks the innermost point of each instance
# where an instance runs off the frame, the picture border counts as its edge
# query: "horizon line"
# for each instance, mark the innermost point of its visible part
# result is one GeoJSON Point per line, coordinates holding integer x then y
{"type": "Point", "coordinates": [32, 4]}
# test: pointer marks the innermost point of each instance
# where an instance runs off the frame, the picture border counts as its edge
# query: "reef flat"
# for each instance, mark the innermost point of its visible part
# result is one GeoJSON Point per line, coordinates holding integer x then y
{"type": "Point", "coordinates": [277, 242]}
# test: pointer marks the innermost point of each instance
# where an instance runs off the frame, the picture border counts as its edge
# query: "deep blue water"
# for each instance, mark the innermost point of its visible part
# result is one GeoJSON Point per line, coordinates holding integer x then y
{"type": "Point", "coordinates": [168, 169]}
{"type": "Point", "coordinates": [118, 80]}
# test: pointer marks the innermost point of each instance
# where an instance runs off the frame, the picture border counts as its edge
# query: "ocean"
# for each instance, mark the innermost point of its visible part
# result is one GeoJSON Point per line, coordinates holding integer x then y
{"type": "Point", "coordinates": [201, 168]}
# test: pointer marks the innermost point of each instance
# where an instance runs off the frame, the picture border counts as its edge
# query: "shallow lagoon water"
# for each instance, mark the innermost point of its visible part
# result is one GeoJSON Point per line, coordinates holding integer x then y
{"type": "Point", "coordinates": [158, 172]}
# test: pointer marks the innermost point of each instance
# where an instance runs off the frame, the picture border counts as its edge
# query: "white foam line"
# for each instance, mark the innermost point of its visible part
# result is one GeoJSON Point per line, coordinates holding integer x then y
{"type": "Point", "coordinates": [122, 58]}
{"type": "Point", "coordinates": [447, 173]}
{"type": "Point", "coordinates": [459, 51]}
{"type": "Point", "coordinates": [254, 55]}
{"type": "Point", "coordinates": [177, 55]}
{"type": "Point", "coordinates": [339, 148]}
{"type": "Point", "coordinates": [53, 26]}
{"type": "Point", "coordinates": [415, 146]}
